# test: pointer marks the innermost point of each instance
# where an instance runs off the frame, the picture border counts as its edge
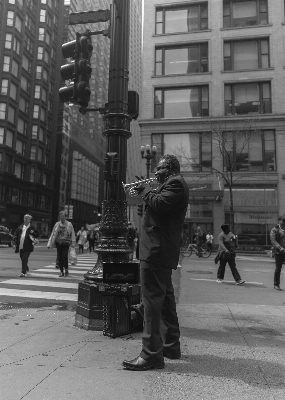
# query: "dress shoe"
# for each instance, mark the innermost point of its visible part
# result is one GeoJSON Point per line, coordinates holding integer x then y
{"type": "Point", "coordinates": [61, 274]}
{"type": "Point", "coordinates": [277, 287]}
{"type": "Point", "coordinates": [172, 355]}
{"type": "Point", "coordinates": [139, 364]}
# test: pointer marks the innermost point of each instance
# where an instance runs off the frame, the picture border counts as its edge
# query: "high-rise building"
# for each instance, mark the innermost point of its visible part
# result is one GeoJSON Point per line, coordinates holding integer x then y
{"type": "Point", "coordinates": [219, 63]}
{"type": "Point", "coordinates": [30, 40]}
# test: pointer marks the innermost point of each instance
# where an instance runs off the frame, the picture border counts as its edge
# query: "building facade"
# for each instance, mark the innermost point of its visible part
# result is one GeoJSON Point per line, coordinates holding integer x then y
{"type": "Point", "coordinates": [30, 45]}
{"type": "Point", "coordinates": [215, 69]}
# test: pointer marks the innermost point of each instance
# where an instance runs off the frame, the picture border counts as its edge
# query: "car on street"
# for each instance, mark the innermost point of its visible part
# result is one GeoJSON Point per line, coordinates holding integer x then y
{"type": "Point", "coordinates": [5, 236]}
{"type": "Point", "coordinates": [243, 239]}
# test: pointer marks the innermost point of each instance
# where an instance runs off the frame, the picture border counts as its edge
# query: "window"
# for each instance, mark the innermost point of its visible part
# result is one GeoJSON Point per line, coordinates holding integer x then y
{"type": "Point", "coordinates": [36, 111]}
{"type": "Point", "coordinates": [8, 41]}
{"type": "Point", "coordinates": [181, 60]}
{"type": "Point", "coordinates": [22, 126]}
{"type": "Point", "coordinates": [193, 150]}
{"type": "Point", "coordinates": [37, 91]}
{"type": "Point", "coordinates": [13, 91]}
{"type": "Point", "coordinates": [246, 54]}
{"type": "Point", "coordinates": [26, 63]}
{"type": "Point", "coordinates": [41, 33]}
{"type": "Point", "coordinates": [6, 64]}
{"type": "Point", "coordinates": [181, 18]}
{"type": "Point", "coordinates": [1, 135]}
{"type": "Point", "coordinates": [18, 24]}
{"type": "Point", "coordinates": [46, 57]}
{"type": "Point", "coordinates": [9, 164]}
{"type": "Point", "coordinates": [11, 114]}
{"type": "Point", "coordinates": [44, 95]}
{"type": "Point", "coordinates": [10, 18]}
{"type": "Point", "coordinates": [41, 134]}
{"type": "Point", "coordinates": [182, 102]}
{"type": "Point", "coordinates": [248, 98]}
{"type": "Point", "coordinates": [250, 151]}
{"type": "Point", "coordinates": [29, 45]}
{"type": "Point", "coordinates": [20, 147]}
{"type": "Point", "coordinates": [39, 72]}
{"type": "Point", "coordinates": [245, 13]}
{"type": "Point", "coordinates": [16, 46]}
{"type": "Point", "coordinates": [33, 152]}
{"type": "Point", "coordinates": [15, 68]}
{"type": "Point", "coordinates": [4, 86]}
{"type": "Point", "coordinates": [43, 114]}
{"type": "Point", "coordinates": [32, 179]}
{"type": "Point", "coordinates": [24, 105]}
{"type": "Point", "coordinates": [19, 170]}
{"type": "Point", "coordinates": [25, 84]}
{"type": "Point", "coordinates": [29, 24]}
{"type": "Point", "coordinates": [43, 15]}
{"type": "Point", "coordinates": [9, 138]}
{"type": "Point", "coordinates": [45, 75]}
{"type": "Point", "coordinates": [48, 39]}
{"type": "Point", "coordinates": [34, 131]}
{"type": "Point", "coordinates": [3, 110]}
{"type": "Point", "coordinates": [40, 154]}
{"type": "Point", "coordinates": [40, 53]}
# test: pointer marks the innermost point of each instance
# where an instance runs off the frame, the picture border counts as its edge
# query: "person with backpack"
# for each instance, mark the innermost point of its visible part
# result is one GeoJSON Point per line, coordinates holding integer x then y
{"type": "Point", "coordinates": [277, 238]}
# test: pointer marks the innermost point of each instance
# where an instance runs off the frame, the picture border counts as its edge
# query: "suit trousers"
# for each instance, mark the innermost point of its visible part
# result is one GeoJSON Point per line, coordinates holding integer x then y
{"type": "Point", "coordinates": [279, 259]}
{"type": "Point", "coordinates": [24, 256]}
{"type": "Point", "coordinates": [159, 306]}
{"type": "Point", "coordinates": [62, 256]}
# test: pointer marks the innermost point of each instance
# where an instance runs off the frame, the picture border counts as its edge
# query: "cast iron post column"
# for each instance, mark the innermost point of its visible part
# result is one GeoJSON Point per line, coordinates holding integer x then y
{"type": "Point", "coordinates": [113, 245]}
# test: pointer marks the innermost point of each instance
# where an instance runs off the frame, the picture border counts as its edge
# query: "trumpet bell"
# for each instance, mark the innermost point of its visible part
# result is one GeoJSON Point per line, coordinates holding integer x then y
{"type": "Point", "coordinates": [130, 186]}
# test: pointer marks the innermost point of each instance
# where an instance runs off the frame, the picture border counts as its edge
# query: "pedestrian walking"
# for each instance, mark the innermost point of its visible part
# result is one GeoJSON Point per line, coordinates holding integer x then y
{"type": "Point", "coordinates": [199, 240]}
{"type": "Point", "coordinates": [62, 237]}
{"type": "Point", "coordinates": [278, 242]}
{"type": "Point", "coordinates": [159, 253]}
{"type": "Point", "coordinates": [24, 239]}
{"type": "Point", "coordinates": [227, 247]}
{"type": "Point", "coordinates": [81, 239]}
{"type": "Point", "coordinates": [209, 240]}
{"type": "Point", "coordinates": [91, 239]}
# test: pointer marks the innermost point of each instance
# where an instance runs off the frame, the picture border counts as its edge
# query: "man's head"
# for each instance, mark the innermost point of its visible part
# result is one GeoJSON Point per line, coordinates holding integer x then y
{"type": "Point", "coordinates": [281, 220]}
{"type": "Point", "coordinates": [62, 216]}
{"type": "Point", "coordinates": [225, 228]}
{"type": "Point", "coordinates": [168, 165]}
{"type": "Point", "coordinates": [27, 219]}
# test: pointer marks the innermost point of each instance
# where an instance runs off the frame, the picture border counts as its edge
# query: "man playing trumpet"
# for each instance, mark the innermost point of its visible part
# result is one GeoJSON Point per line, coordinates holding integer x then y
{"type": "Point", "coordinates": [159, 254]}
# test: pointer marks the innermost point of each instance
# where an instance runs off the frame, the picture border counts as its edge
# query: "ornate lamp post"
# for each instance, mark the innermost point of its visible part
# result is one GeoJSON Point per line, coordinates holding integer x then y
{"type": "Point", "coordinates": [148, 154]}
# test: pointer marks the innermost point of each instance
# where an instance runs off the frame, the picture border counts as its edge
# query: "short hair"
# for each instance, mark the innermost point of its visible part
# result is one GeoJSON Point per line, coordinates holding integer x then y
{"type": "Point", "coordinates": [172, 161]}
{"type": "Point", "coordinates": [28, 216]}
{"type": "Point", "coordinates": [224, 226]}
{"type": "Point", "coordinates": [281, 218]}
{"type": "Point", "coordinates": [62, 212]}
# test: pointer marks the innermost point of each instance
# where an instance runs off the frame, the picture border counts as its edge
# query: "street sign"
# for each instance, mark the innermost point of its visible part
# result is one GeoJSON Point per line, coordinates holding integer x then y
{"type": "Point", "coordinates": [89, 17]}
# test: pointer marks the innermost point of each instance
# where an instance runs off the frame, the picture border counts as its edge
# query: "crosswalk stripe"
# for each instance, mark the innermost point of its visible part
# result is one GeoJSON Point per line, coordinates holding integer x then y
{"type": "Point", "coordinates": [32, 282]}
{"type": "Point", "coordinates": [52, 276]}
{"type": "Point", "coordinates": [232, 282]}
{"type": "Point", "coordinates": [52, 270]}
{"type": "Point", "coordinates": [38, 294]}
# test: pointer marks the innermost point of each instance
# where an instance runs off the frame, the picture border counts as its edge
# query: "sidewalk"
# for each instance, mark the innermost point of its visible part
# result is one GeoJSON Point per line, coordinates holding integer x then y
{"type": "Point", "coordinates": [230, 352]}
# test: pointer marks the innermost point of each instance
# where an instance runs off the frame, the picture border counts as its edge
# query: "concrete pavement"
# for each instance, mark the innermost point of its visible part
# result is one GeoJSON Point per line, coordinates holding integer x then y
{"type": "Point", "coordinates": [230, 351]}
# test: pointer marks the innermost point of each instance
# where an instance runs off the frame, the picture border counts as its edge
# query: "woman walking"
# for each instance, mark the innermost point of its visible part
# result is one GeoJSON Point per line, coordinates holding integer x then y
{"type": "Point", "coordinates": [82, 237]}
{"type": "Point", "coordinates": [62, 237]}
{"type": "Point", "coordinates": [227, 245]}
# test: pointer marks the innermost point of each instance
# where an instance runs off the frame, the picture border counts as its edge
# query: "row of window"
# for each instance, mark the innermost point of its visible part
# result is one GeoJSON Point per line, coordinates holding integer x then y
{"type": "Point", "coordinates": [243, 151]}
{"type": "Point", "coordinates": [193, 101]}
{"type": "Point", "coordinates": [193, 58]}
{"type": "Point", "coordinates": [21, 197]}
{"type": "Point", "coordinates": [40, 92]}
{"type": "Point", "coordinates": [194, 17]}
{"type": "Point", "coordinates": [9, 113]}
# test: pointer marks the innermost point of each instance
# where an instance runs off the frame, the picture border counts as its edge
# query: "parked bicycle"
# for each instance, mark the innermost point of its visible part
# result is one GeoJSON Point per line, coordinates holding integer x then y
{"type": "Point", "coordinates": [204, 251]}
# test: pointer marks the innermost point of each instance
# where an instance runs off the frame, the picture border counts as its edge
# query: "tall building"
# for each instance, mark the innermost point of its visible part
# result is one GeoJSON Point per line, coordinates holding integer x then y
{"type": "Point", "coordinates": [30, 40]}
{"type": "Point", "coordinates": [81, 148]}
{"type": "Point", "coordinates": [219, 62]}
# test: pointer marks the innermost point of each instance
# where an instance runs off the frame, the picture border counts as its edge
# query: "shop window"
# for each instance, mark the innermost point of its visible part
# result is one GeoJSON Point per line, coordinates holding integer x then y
{"type": "Point", "coordinates": [181, 60]}
{"type": "Point", "coordinates": [181, 102]}
{"type": "Point", "coordinates": [245, 13]}
{"type": "Point", "coordinates": [246, 54]}
{"type": "Point", "coordinates": [248, 98]}
{"type": "Point", "coordinates": [193, 150]}
{"type": "Point", "coordinates": [172, 19]}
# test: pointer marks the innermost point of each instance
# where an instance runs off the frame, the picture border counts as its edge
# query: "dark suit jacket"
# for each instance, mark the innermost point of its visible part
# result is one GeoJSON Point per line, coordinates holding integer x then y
{"type": "Point", "coordinates": [28, 244]}
{"type": "Point", "coordinates": [163, 222]}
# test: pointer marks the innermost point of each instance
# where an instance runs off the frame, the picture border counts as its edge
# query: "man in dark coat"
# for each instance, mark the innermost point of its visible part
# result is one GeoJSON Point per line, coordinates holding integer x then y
{"type": "Point", "coordinates": [159, 254]}
{"type": "Point", "coordinates": [25, 238]}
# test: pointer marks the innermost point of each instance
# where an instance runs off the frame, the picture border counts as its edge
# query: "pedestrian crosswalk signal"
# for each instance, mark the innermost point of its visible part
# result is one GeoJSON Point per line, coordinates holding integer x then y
{"type": "Point", "coordinates": [140, 209]}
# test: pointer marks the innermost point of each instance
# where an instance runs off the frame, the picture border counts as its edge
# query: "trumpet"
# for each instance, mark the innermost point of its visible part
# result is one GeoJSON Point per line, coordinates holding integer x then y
{"type": "Point", "coordinates": [130, 186]}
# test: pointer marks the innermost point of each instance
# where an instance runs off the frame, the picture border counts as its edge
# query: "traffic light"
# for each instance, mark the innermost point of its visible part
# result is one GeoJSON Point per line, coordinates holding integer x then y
{"type": "Point", "coordinates": [133, 104]}
{"type": "Point", "coordinates": [78, 71]}
{"type": "Point", "coordinates": [140, 209]}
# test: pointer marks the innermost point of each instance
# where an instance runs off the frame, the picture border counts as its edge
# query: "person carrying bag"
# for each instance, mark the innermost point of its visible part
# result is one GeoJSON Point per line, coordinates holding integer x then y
{"type": "Point", "coordinates": [62, 237]}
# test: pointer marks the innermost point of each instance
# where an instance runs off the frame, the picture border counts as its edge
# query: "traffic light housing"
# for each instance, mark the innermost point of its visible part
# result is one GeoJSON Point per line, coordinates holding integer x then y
{"type": "Point", "coordinates": [78, 71]}
{"type": "Point", "coordinates": [133, 104]}
{"type": "Point", "coordinates": [140, 209]}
